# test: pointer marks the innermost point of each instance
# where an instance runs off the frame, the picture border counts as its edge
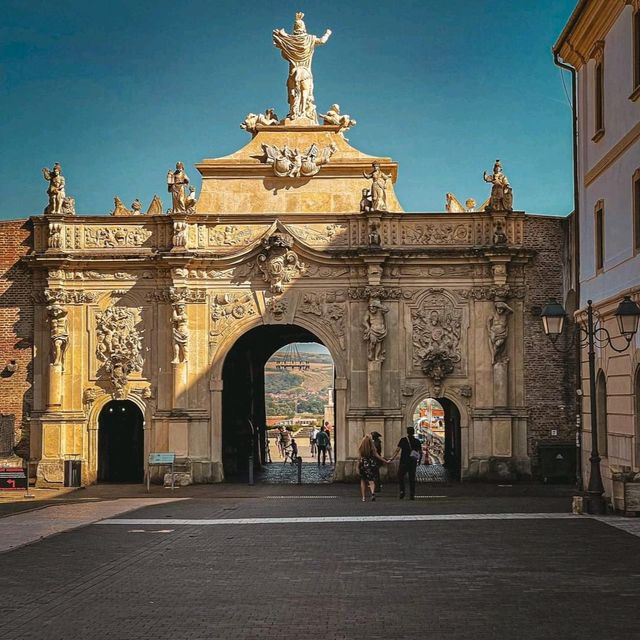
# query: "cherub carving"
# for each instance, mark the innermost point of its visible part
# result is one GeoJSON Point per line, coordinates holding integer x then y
{"type": "Point", "coordinates": [291, 163]}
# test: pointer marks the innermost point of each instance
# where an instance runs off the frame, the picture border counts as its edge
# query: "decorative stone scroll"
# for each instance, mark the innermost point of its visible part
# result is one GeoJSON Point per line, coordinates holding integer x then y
{"type": "Point", "coordinates": [231, 235]}
{"type": "Point", "coordinates": [291, 163]}
{"type": "Point", "coordinates": [229, 307]}
{"type": "Point", "coordinates": [115, 236]}
{"type": "Point", "coordinates": [437, 330]}
{"type": "Point", "coordinates": [119, 347]}
{"type": "Point", "coordinates": [278, 263]}
{"type": "Point", "coordinates": [331, 307]}
{"type": "Point", "coordinates": [492, 292]}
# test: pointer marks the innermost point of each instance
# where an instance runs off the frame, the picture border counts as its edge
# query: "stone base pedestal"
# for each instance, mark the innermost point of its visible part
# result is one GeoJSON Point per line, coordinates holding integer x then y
{"type": "Point", "coordinates": [50, 473]}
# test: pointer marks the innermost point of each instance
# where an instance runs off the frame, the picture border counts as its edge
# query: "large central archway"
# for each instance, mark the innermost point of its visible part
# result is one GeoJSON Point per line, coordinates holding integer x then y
{"type": "Point", "coordinates": [244, 417]}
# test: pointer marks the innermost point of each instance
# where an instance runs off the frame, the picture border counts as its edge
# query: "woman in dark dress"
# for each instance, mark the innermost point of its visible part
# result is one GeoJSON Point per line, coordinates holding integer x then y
{"type": "Point", "coordinates": [367, 466]}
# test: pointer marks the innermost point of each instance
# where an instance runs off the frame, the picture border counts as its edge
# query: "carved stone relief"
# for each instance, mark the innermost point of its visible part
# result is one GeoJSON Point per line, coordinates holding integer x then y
{"type": "Point", "coordinates": [55, 235]}
{"type": "Point", "coordinates": [177, 295]}
{"type": "Point", "coordinates": [240, 272]}
{"type": "Point", "coordinates": [230, 235]}
{"type": "Point", "coordinates": [425, 234]}
{"type": "Point", "coordinates": [118, 347]}
{"type": "Point", "coordinates": [63, 296]}
{"type": "Point", "coordinates": [321, 234]}
{"type": "Point", "coordinates": [382, 293]}
{"type": "Point", "coordinates": [291, 163]}
{"type": "Point", "coordinates": [226, 308]}
{"type": "Point", "coordinates": [278, 263]}
{"type": "Point", "coordinates": [277, 307]}
{"type": "Point", "coordinates": [115, 236]}
{"type": "Point", "coordinates": [180, 323]}
{"type": "Point", "coordinates": [330, 306]}
{"type": "Point", "coordinates": [498, 329]}
{"type": "Point", "coordinates": [436, 334]}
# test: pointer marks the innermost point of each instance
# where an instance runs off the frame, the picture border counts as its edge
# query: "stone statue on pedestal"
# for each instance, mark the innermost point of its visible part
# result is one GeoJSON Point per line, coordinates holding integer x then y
{"type": "Point", "coordinates": [297, 49]}
{"type": "Point", "coordinates": [498, 328]}
{"type": "Point", "coordinates": [177, 182]}
{"type": "Point", "coordinates": [59, 333]}
{"type": "Point", "coordinates": [180, 333]}
{"type": "Point", "coordinates": [55, 191]}
{"type": "Point", "coordinates": [501, 191]}
{"type": "Point", "coordinates": [378, 187]}
{"type": "Point", "coordinates": [375, 329]}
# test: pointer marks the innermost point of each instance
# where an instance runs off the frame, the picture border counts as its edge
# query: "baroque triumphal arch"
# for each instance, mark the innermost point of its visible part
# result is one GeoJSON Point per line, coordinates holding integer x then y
{"type": "Point", "coordinates": [296, 229]}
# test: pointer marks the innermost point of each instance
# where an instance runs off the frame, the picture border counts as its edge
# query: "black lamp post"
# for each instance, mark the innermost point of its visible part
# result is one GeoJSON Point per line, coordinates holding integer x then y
{"type": "Point", "coordinates": [553, 319]}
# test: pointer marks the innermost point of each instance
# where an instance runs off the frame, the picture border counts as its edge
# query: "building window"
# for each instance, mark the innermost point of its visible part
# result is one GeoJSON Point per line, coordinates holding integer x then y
{"type": "Point", "coordinates": [636, 53]}
{"type": "Point", "coordinates": [598, 90]}
{"type": "Point", "coordinates": [599, 235]}
{"type": "Point", "coordinates": [636, 406]}
{"type": "Point", "coordinates": [601, 414]}
{"type": "Point", "coordinates": [636, 211]}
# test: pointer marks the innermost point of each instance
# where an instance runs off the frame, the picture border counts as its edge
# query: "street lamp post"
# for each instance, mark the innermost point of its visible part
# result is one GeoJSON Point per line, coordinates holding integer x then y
{"type": "Point", "coordinates": [553, 319]}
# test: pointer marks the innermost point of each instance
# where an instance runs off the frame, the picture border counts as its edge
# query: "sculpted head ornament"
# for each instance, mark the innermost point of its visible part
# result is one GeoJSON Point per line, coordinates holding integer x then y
{"type": "Point", "coordinates": [298, 24]}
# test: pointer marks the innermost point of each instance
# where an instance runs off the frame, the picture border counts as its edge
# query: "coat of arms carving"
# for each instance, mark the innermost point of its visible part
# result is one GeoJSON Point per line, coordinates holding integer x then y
{"type": "Point", "coordinates": [278, 263]}
{"type": "Point", "coordinates": [119, 346]}
{"type": "Point", "coordinates": [437, 329]}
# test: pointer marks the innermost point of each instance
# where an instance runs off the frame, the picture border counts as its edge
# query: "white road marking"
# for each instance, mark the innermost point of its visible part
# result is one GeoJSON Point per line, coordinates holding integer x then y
{"type": "Point", "coordinates": [340, 519]}
{"type": "Point", "coordinates": [630, 525]}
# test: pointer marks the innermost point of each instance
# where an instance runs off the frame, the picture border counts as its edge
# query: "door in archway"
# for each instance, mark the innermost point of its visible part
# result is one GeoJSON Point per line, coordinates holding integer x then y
{"type": "Point", "coordinates": [244, 414]}
{"type": "Point", "coordinates": [120, 443]}
{"type": "Point", "coordinates": [437, 425]}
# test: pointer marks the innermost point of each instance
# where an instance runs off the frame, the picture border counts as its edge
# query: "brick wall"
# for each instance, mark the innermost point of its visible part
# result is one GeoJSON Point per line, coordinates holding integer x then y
{"type": "Point", "coordinates": [550, 377]}
{"type": "Point", "coordinates": [16, 334]}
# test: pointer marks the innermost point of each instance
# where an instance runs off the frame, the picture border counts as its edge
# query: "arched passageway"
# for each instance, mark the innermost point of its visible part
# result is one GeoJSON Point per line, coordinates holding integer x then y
{"type": "Point", "coordinates": [244, 416]}
{"type": "Point", "coordinates": [437, 425]}
{"type": "Point", "coordinates": [120, 442]}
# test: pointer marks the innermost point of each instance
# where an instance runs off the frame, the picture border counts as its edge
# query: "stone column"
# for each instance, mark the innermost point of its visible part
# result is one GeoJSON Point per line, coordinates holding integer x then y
{"type": "Point", "coordinates": [54, 397]}
{"type": "Point", "coordinates": [180, 380]}
{"type": "Point", "coordinates": [501, 383]}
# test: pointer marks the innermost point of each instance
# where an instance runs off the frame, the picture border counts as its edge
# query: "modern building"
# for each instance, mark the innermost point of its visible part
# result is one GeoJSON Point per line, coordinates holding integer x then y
{"type": "Point", "coordinates": [601, 45]}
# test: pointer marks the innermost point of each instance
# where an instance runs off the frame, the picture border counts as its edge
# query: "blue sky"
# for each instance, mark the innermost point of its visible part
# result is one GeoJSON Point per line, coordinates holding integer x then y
{"type": "Point", "coordinates": [118, 91]}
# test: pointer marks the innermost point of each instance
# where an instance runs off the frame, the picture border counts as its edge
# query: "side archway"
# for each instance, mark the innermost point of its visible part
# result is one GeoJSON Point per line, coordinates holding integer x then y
{"type": "Point", "coordinates": [120, 447]}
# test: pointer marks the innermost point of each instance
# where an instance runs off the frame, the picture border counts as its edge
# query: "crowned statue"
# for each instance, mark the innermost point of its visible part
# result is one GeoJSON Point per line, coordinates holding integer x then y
{"type": "Point", "coordinates": [297, 49]}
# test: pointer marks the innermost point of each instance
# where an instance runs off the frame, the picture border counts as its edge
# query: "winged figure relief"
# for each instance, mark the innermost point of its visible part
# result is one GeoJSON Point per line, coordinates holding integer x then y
{"type": "Point", "coordinates": [453, 205]}
{"type": "Point", "coordinates": [291, 163]}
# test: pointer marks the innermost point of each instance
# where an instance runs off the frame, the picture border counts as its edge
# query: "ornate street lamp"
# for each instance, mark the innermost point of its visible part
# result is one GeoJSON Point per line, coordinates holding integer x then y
{"type": "Point", "coordinates": [628, 316]}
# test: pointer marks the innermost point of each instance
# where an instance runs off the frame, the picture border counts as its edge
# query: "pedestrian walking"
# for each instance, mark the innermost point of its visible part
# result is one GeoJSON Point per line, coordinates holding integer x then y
{"type": "Point", "coordinates": [377, 443]}
{"type": "Point", "coordinates": [322, 440]}
{"type": "Point", "coordinates": [367, 465]}
{"type": "Point", "coordinates": [410, 451]}
{"type": "Point", "coordinates": [312, 440]}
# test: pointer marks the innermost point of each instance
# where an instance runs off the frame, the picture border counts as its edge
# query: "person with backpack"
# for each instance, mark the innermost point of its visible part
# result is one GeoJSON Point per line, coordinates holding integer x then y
{"type": "Point", "coordinates": [410, 451]}
{"type": "Point", "coordinates": [322, 441]}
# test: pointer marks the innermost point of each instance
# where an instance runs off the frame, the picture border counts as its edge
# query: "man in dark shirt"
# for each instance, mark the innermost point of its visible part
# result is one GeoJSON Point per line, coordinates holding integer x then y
{"type": "Point", "coordinates": [322, 441]}
{"type": "Point", "coordinates": [410, 451]}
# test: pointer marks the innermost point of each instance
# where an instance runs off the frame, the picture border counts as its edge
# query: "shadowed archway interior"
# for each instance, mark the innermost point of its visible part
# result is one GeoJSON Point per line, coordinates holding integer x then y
{"type": "Point", "coordinates": [243, 401]}
{"type": "Point", "coordinates": [120, 442]}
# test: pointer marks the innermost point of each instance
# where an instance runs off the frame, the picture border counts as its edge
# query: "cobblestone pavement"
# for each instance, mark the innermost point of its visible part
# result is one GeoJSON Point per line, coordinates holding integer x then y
{"type": "Point", "coordinates": [432, 473]}
{"type": "Point", "coordinates": [528, 576]}
{"type": "Point", "coordinates": [287, 473]}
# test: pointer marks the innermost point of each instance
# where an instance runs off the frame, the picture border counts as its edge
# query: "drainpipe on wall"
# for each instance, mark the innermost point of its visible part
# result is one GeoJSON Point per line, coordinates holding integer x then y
{"type": "Point", "coordinates": [576, 252]}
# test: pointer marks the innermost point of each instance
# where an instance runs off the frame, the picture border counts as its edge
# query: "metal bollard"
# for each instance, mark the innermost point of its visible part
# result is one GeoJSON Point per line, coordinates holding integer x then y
{"type": "Point", "coordinates": [299, 461]}
{"type": "Point", "coordinates": [251, 470]}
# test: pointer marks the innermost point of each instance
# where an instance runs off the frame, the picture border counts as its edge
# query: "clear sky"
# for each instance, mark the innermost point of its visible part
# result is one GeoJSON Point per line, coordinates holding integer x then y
{"type": "Point", "coordinates": [118, 91]}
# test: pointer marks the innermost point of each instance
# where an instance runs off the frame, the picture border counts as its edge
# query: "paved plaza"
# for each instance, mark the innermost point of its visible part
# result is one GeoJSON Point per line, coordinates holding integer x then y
{"type": "Point", "coordinates": [238, 562]}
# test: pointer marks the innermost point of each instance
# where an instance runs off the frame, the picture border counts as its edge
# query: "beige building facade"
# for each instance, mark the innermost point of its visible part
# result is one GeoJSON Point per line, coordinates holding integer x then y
{"type": "Point", "coordinates": [602, 43]}
{"type": "Point", "coordinates": [150, 332]}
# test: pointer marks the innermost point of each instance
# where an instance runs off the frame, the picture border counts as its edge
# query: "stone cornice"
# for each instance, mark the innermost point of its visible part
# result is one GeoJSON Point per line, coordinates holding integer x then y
{"type": "Point", "coordinates": [589, 23]}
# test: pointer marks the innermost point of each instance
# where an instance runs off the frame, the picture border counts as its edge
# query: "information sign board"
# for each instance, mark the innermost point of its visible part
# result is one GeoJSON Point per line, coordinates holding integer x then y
{"type": "Point", "coordinates": [162, 458]}
{"type": "Point", "coordinates": [13, 478]}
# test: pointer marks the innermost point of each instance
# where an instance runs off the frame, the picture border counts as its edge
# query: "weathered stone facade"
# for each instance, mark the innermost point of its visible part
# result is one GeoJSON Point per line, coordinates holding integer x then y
{"type": "Point", "coordinates": [146, 309]}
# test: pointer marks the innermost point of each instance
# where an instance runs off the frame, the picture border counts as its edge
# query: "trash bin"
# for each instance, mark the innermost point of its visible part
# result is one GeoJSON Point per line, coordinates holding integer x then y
{"type": "Point", "coordinates": [558, 462]}
{"type": "Point", "coordinates": [72, 473]}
